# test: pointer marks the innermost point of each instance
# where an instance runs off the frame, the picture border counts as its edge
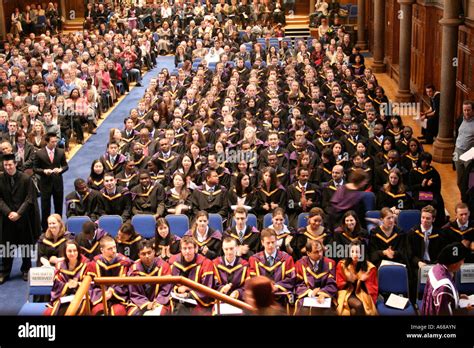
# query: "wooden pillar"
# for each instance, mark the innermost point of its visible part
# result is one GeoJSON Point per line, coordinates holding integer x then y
{"type": "Point", "coordinates": [311, 6]}
{"type": "Point", "coordinates": [3, 25]}
{"type": "Point", "coordinates": [62, 8]}
{"type": "Point", "coordinates": [379, 36]}
{"type": "Point", "coordinates": [405, 16]}
{"type": "Point", "coordinates": [443, 147]}
{"type": "Point", "coordinates": [361, 38]}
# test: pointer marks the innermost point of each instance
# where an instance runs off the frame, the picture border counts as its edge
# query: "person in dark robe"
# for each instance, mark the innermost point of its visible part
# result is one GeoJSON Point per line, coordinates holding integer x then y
{"type": "Point", "coordinates": [68, 276]}
{"type": "Point", "coordinates": [210, 197]}
{"type": "Point", "coordinates": [148, 198]}
{"type": "Point", "coordinates": [95, 180]}
{"type": "Point", "coordinates": [166, 244]}
{"type": "Point", "coordinates": [208, 240]}
{"type": "Point", "coordinates": [148, 297]}
{"type": "Point", "coordinates": [315, 278]}
{"type": "Point", "coordinates": [166, 160]}
{"type": "Point", "coordinates": [387, 241]}
{"type": "Point", "coordinates": [128, 177]}
{"type": "Point", "coordinates": [302, 196]}
{"type": "Point", "coordinates": [52, 241]}
{"type": "Point", "coordinates": [394, 193]}
{"type": "Point", "coordinates": [127, 241]}
{"type": "Point", "coordinates": [112, 160]}
{"type": "Point", "coordinates": [231, 270]}
{"type": "Point", "coordinates": [82, 201]}
{"type": "Point", "coordinates": [431, 116]}
{"type": "Point", "coordinates": [270, 194]}
{"type": "Point", "coordinates": [193, 266]}
{"type": "Point", "coordinates": [329, 189]}
{"type": "Point", "coordinates": [461, 229]}
{"type": "Point", "coordinates": [315, 230]}
{"type": "Point", "coordinates": [425, 185]}
{"type": "Point", "coordinates": [89, 239]}
{"type": "Point", "coordinates": [348, 232]}
{"type": "Point", "coordinates": [246, 236]}
{"type": "Point", "coordinates": [109, 264]}
{"type": "Point", "coordinates": [424, 243]}
{"type": "Point", "coordinates": [114, 200]}
{"type": "Point", "coordinates": [441, 296]}
{"type": "Point", "coordinates": [277, 265]}
{"type": "Point", "coordinates": [19, 214]}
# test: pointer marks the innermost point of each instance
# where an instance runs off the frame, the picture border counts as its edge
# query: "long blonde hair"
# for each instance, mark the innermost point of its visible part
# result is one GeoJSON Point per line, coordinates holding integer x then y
{"type": "Point", "coordinates": [62, 227]}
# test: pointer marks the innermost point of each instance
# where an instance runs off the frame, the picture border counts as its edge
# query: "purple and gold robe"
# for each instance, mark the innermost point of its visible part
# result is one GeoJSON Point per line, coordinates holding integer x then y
{"type": "Point", "coordinates": [61, 288]}
{"type": "Point", "coordinates": [308, 279]}
{"type": "Point", "coordinates": [235, 275]}
{"type": "Point", "coordinates": [201, 270]}
{"type": "Point", "coordinates": [143, 294]}
{"type": "Point", "coordinates": [282, 273]}
{"type": "Point", "coordinates": [118, 267]}
{"type": "Point", "coordinates": [441, 296]}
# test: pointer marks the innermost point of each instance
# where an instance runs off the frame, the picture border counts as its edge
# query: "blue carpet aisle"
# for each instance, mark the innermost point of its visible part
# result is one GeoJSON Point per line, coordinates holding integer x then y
{"type": "Point", "coordinates": [80, 164]}
{"type": "Point", "coordinates": [13, 293]}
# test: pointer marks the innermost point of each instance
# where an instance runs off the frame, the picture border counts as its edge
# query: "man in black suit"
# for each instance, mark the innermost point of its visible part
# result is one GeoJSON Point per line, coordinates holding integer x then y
{"type": "Point", "coordinates": [19, 215]}
{"type": "Point", "coordinates": [10, 134]}
{"type": "Point", "coordinates": [50, 164]}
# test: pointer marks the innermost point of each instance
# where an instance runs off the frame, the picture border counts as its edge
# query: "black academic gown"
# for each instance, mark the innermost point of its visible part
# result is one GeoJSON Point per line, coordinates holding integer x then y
{"type": "Point", "coordinates": [20, 198]}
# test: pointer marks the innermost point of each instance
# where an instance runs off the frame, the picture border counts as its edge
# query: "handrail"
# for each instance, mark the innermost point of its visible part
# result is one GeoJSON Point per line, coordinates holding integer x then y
{"type": "Point", "coordinates": [74, 306]}
{"type": "Point", "coordinates": [80, 293]}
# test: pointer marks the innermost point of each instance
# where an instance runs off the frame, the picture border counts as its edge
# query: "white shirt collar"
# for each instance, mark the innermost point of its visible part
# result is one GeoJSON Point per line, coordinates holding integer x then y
{"type": "Point", "coordinates": [429, 231]}
{"type": "Point", "coordinates": [229, 264]}
{"type": "Point", "coordinates": [273, 255]}
{"type": "Point", "coordinates": [202, 238]}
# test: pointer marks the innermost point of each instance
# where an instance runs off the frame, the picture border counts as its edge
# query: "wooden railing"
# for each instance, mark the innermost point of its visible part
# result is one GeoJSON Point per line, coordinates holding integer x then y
{"type": "Point", "coordinates": [104, 281]}
{"type": "Point", "coordinates": [82, 292]}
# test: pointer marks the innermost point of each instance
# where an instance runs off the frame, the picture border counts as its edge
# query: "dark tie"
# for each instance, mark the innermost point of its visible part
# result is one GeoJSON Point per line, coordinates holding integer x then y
{"type": "Point", "coordinates": [270, 261]}
{"type": "Point", "coordinates": [315, 267]}
{"type": "Point", "coordinates": [426, 254]}
{"type": "Point", "coordinates": [12, 182]}
{"type": "Point", "coordinates": [241, 236]}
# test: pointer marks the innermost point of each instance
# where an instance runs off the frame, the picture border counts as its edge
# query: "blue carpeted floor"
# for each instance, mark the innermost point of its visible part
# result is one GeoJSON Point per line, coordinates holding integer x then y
{"type": "Point", "coordinates": [13, 293]}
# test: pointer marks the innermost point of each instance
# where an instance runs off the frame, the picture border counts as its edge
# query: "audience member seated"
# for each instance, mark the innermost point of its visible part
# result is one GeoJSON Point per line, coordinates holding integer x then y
{"type": "Point", "coordinates": [208, 240]}
{"type": "Point", "coordinates": [52, 241]}
{"type": "Point", "coordinates": [357, 283]}
{"type": "Point", "coordinates": [69, 273]}
{"type": "Point", "coordinates": [387, 241]}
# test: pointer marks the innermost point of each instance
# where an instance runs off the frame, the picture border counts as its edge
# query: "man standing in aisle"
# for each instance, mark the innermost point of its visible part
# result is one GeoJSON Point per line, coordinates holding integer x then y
{"type": "Point", "coordinates": [19, 215]}
{"type": "Point", "coordinates": [50, 164]}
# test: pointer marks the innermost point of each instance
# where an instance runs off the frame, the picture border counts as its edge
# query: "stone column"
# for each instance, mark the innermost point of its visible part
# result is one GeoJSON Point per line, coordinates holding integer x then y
{"type": "Point", "coordinates": [379, 36]}
{"type": "Point", "coordinates": [3, 25]}
{"type": "Point", "coordinates": [444, 145]}
{"type": "Point", "coordinates": [405, 15]}
{"type": "Point", "coordinates": [361, 39]}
